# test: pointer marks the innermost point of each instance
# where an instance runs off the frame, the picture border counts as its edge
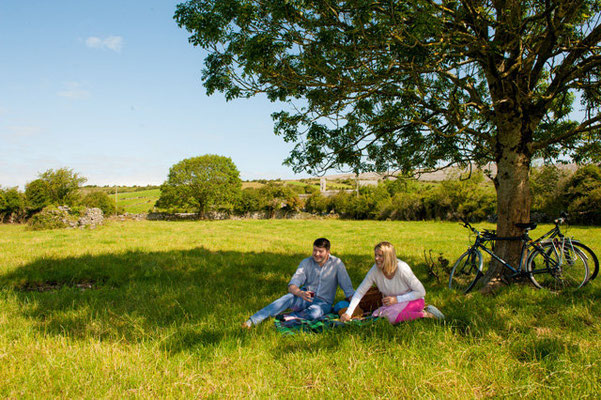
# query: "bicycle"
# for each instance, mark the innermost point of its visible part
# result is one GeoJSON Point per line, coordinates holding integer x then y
{"type": "Point", "coordinates": [544, 263]}
{"type": "Point", "coordinates": [559, 239]}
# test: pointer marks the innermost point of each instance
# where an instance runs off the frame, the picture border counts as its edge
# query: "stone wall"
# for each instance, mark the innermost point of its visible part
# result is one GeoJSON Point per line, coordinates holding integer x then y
{"type": "Point", "coordinates": [90, 217]}
{"type": "Point", "coordinates": [222, 216]}
{"type": "Point", "coordinates": [63, 217]}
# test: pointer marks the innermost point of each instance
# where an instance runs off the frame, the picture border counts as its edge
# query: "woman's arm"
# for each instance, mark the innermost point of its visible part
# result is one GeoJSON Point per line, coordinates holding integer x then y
{"type": "Point", "coordinates": [359, 293]}
{"type": "Point", "coordinates": [417, 290]}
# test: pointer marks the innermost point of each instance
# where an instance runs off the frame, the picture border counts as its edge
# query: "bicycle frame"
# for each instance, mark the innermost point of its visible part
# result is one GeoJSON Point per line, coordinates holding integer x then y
{"type": "Point", "coordinates": [523, 257]}
{"type": "Point", "coordinates": [552, 253]}
{"type": "Point", "coordinates": [527, 244]}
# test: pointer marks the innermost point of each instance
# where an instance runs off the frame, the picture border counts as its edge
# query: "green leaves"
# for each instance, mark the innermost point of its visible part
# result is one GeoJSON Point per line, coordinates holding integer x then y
{"type": "Point", "coordinates": [404, 85]}
{"type": "Point", "coordinates": [202, 184]}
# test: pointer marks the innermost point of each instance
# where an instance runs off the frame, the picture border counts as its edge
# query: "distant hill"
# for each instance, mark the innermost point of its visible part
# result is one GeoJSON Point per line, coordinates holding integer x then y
{"type": "Point", "coordinates": [436, 176]}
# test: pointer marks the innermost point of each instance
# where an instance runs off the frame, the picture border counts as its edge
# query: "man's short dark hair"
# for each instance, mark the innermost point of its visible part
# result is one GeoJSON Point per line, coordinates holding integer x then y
{"type": "Point", "coordinates": [322, 243]}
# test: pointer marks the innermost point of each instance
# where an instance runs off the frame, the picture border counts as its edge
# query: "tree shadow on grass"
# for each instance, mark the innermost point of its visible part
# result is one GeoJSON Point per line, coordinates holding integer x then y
{"type": "Point", "coordinates": [178, 298]}
{"type": "Point", "coordinates": [195, 299]}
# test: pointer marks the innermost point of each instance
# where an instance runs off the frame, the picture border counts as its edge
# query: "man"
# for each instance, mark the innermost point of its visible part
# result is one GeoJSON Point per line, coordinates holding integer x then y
{"type": "Point", "coordinates": [320, 274]}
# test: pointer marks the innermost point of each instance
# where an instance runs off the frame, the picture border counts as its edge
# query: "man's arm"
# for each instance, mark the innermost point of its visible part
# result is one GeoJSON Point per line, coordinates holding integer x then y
{"type": "Point", "coordinates": [295, 290]}
{"type": "Point", "coordinates": [344, 281]}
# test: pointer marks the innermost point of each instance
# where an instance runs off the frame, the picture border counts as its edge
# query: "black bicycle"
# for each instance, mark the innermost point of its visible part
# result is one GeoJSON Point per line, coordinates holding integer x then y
{"type": "Point", "coordinates": [545, 263]}
{"type": "Point", "coordinates": [568, 245]}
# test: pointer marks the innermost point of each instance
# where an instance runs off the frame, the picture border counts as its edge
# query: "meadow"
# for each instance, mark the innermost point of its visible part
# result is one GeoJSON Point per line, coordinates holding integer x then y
{"type": "Point", "coordinates": [138, 202]}
{"type": "Point", "coordinates": [151, 310]}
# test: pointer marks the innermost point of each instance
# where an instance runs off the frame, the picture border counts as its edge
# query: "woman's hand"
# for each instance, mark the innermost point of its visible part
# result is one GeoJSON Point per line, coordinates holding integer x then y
{"type": "Point", "coordinates": [389, 300]}
{"type": "Point", "coordinates": [345, 317]}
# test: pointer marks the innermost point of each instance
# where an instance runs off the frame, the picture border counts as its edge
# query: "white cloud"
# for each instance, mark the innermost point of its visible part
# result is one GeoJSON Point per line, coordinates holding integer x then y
{"type": "Point", "coordinates": [114, 43]}
{"type": "Point", "coordinates": [74, 90]}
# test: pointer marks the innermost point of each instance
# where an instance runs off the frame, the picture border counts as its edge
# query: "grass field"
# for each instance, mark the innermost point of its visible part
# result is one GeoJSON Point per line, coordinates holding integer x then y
{"type": "Point", "coordinates": [151, 310]}
{"type": "Point", "coordinates": [138, 202]}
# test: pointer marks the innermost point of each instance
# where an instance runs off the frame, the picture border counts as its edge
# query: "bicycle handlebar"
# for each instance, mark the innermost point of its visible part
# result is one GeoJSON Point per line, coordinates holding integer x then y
{"type": "Point", "coordinates": [563, 217]}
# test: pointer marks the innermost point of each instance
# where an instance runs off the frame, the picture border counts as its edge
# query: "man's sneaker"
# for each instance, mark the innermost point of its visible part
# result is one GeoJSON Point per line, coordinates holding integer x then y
{"type": "Point", "coordinates": [247, 324]}
{"type": "Point", "coordinates": [435, 312]}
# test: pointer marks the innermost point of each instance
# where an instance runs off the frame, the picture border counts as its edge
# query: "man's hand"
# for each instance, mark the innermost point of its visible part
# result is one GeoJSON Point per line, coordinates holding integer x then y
{"type": "Point", "coordinates": [389, 300]}
{"type": "Point", "coordinates": [307, 296]}
{"type": "Point", "coordinates": [345, 317]}
{"type": "Point", "coordinates": [300, 293]}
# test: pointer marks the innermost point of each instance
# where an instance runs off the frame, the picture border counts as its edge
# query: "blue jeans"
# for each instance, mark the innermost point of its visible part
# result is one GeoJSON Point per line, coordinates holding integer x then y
{"type": "Point", "coordinates": [300, 307]}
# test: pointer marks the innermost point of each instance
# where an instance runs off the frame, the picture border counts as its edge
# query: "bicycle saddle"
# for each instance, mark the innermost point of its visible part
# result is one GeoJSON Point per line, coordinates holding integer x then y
{"type": "Point", "coordinates": [526, 225]}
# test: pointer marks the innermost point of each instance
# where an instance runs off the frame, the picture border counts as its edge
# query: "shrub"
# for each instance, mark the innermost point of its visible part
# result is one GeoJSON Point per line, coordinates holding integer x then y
{"type": "Point", "coordinates": [407, 207]}
{"type": "Point", "coordinates": [12, 205]}
{"type": "Point", "coordinates": [469, 198]}
{"type": "Point", "coordinates": [37, 195]}
{"type": "Point", "coordinates": [546, 186]}
{"type": "Point", "coordinates": [49, 218]}
{"type": "Point", "coordinates": [249, 201]}
{"type": "Point", "coordinates": [62, 186]}
{"type": "Point", "coordinates": [317, 203]}
{"type": "Point", "coordinates": [310, 189]}
{"type": "Point", "coordinates": [339, 203]}
{"type": "Point", "coordinates": [100, 200]}
{"type": "Point", "coordinates": [274, 197]}
{"type": "Point", "coordinates": [582, 195]}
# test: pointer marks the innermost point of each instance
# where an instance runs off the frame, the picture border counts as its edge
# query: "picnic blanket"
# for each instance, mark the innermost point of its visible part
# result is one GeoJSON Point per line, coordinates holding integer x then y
{"type": "Point", "coordinates": [325, 323]}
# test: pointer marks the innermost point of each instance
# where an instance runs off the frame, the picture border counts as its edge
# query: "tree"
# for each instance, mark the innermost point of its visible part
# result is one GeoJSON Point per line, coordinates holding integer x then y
{"type": "Point", "coordinates": [203, 183]}
{"type": "Point", "coordinates": [582, 195]}
{"type": "Point", "coordinates": [547, 183]}
{"type": "Point", "coordinates": [62, 186]}
{"type": "Point", "coordinates": [274, 197]}
{"type": "Point", "coordinates": [414, 84]}
{"type": "Point", "coordinates": [37, 195]}
{"type": "Point", "coordinates": [12, 204]}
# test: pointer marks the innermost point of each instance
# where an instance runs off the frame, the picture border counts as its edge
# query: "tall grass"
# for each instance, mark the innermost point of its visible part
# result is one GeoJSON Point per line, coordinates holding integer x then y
{"type": "Point", "coordinates": [152, 310]}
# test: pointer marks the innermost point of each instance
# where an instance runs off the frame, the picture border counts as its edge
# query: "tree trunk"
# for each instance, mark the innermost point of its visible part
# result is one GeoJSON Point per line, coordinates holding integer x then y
{"type": "Point", "coordinates": [513, 200]}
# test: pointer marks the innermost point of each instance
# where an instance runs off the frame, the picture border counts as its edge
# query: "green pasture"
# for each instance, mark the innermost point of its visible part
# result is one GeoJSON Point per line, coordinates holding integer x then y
{"type": "Point", "coordinates": [151, 310]}
{"type": "Point", "coordinates": [138, 202]}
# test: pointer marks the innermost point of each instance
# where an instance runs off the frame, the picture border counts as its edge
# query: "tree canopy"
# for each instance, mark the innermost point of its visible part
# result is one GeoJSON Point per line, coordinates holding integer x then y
{"type": "Point", "coordinates": [57, 187]}
{"type": "Point", "coordinates": [379, 85]}
{"type": "Point", "coordinates": [202, 184]}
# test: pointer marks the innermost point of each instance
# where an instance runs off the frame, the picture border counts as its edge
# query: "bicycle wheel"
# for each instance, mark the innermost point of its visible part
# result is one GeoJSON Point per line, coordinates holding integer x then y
{"type": "Point", "coordinates": [466, 271]}
{"type": "Point", "coordinates": [549, 269]}
{"type": "Point", "coordinates": [590, 257]}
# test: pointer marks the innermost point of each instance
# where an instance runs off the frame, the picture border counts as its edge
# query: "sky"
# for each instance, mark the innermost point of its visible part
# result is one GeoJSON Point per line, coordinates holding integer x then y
{"type": "Point", "coordinates": [112, 90]}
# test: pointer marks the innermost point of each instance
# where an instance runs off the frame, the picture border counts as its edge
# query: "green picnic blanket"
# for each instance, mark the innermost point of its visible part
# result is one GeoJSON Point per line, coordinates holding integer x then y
{"type": "Point", "coordinates": [327, 322]}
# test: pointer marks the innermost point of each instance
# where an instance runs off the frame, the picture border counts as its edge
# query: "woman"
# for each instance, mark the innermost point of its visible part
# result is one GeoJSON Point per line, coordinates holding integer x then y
{"type": "Point", "coordinates": [403, 293]}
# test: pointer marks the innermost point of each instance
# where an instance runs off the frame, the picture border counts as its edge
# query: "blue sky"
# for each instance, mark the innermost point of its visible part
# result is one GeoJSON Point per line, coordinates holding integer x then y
{"type": "Point", "coordinates": [112, 90]}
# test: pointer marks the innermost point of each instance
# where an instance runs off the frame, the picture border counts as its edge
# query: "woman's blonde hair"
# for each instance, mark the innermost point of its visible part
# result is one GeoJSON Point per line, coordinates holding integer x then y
{"type": "Point", "coordinates": [390, 263]}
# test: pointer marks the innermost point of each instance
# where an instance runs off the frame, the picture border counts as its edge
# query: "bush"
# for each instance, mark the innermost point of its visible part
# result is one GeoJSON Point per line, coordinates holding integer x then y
{"type": "Point", "coordinates": [49, 218]}
{"type": "Point", "coordinates": [100, 200]}
{"type": "Point", "coordinates": [582, 195]}
{"type": "Point", "coordinates": [367, 205]}
{"type": "Point", "coordinates": [274, 197]}
{"type": "Point", "coordinates": [310, 189]}
{"type": "Point", "coordinates": [406, 207]}
{"type": "Point", "coordinates": [12, 205]}
{"type": "Point", "coordinates": [317, 203]}
{"type": "Point", "coordinates": [339, 203]}
{"type": "Point", "coordinates": [470, 199]}
{"type": "Point", "coordinates": [546, 186]}
{"type": "Point", "coordinates": [62, 186]}
{"type": "Point", "coordinates": [37, 195]}
{"type": "Point", "coordinates": [249, 201]}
